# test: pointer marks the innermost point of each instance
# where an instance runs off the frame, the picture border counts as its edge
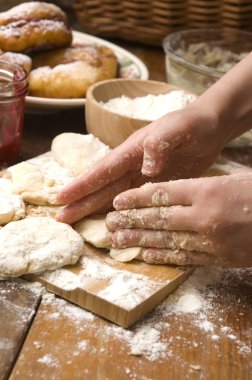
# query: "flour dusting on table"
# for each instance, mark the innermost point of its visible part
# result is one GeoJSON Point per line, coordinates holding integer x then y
{"type": "Point", "coordinates": [195, 302]}
{"type": "Point", "coordinates": [194, 305]}
{"type": "Point", "coordinates": [122, 288]}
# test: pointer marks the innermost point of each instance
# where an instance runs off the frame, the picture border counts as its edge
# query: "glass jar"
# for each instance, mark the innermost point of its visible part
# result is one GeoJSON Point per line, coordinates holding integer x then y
{"type": "Point", "coordinates": [13, 89]}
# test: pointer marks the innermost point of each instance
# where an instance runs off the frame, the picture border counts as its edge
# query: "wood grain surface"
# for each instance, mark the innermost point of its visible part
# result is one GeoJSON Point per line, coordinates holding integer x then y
{"type": "Point", "coordinates": [90, 295]}
{"type": "Point", "coordinates": [65, 344]}
{"type": "Point", "coordinates": [17, 309]}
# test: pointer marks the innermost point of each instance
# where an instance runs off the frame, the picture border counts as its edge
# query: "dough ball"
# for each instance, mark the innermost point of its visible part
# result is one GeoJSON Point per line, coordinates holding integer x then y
{"type": "Point", "coordinates": [39, 180]}
{"type": "Point", "coordinates": [78, 152]}
{"type": "Point", "coordinates": [11, 205]}
{"type": "Point", "coordinates": [36, 244]}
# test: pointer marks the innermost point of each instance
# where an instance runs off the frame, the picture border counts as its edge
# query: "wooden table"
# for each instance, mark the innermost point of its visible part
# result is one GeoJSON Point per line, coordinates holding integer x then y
{"type": "Point", "coordinates": [49, 339]}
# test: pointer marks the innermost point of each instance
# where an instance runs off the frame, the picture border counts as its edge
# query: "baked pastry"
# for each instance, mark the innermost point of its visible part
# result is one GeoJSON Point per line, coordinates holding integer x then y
{"type": "Point", "coordinates": [67, 73]}
{"type": "Point", "coordinates": [19, 59]}
{"type": "Point", "coordinates": [96, 56]}
{"type": "Point", "coordinates": [34, 26]}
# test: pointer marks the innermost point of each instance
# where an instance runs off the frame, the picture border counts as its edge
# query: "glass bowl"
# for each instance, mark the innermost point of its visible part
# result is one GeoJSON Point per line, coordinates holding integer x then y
{"type": "Point", "coordinates": [196, 58]}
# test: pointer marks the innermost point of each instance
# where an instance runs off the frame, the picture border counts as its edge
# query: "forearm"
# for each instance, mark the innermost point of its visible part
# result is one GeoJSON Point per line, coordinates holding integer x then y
{"type": "Point", "coordinates": [230, 99]}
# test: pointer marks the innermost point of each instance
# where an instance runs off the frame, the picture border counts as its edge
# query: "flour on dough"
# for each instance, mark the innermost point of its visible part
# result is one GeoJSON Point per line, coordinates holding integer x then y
{"type": "Point", "coordinates": [78, 152]}
{"type": "Point", "coordinates": [35, 210]}
{"type": "Point", "coordinates": [11, 205]}
{"type": "Point", "coordinates": [125, 254]}
{"type": "Point", "coordinates": [39, 180]}
{"type": "Point", "coordinates": [93, 230]}
{"type": "Point", "coordinates": [36, 244]}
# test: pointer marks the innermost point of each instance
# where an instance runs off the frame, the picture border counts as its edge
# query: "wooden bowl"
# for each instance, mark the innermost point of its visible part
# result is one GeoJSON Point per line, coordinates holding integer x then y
{"type": "Point", "coordinates": [110, 127]}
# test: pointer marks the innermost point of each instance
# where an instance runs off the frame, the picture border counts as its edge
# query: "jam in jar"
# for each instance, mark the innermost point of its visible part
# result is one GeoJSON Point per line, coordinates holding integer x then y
{"type": "Point", "coordinates": [13, 89]}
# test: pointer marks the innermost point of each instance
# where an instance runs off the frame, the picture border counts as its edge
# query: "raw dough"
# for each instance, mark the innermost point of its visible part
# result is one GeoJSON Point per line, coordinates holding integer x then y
{"type": "Point", "coordinates": [93, 230]}
{"type": "Point", "coordinates": [36, 244]}
{"type": "Point", "coordinates": [38, 180]}
{"type": "Point", "coordinates": [78, 152]}
{"type": "Point", "coordinates": [34, 210]}
{"type": "Point", "coordinates": [126, 254]}
{"type": "Point", "coordinates": [11, 205]}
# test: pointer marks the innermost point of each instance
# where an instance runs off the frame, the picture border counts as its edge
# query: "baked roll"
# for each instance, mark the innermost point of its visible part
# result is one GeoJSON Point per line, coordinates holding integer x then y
{"type": "Point", "coordinates": [34, 26]}
{"type": "Point", "coordinates": [67, 73]}
{"type": "Point", "coordinates": [19, 59]}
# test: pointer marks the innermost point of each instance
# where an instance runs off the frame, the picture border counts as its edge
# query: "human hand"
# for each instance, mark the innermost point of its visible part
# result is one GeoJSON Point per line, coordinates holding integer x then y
{"type": "Point", "coordinates": [182, 144]}
{"type": "Point", "coordinates": [206, 221]}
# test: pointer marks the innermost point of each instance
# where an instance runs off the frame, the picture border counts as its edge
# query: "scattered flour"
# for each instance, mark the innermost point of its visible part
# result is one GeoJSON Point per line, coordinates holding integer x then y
{"type": "Point", "coordinates": [49, 360]}
{"type": "Point", "coordinates": [146, 341]}
{"type": "Point", "coordinates": [82, 345]}
{"type": "Point", "coordinates": [195, 302]}
{"type": "Point", "coordinates": [127, 289]}
{"type": "Point", "coordinates": [123, 288]}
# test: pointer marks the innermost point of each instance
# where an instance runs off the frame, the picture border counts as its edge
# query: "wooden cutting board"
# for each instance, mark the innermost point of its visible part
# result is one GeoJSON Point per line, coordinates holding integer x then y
{"type": "Point", "coordinates": [127, 304]}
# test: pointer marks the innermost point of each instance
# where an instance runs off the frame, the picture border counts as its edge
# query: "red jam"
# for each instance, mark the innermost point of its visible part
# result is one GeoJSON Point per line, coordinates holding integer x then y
{"type": "Point", "coordinates": [13, 88]}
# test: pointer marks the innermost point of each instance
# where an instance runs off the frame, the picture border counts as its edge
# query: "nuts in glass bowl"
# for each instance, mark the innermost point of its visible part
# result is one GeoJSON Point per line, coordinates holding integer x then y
{"type": "Point", "coordinates": [197, 58]}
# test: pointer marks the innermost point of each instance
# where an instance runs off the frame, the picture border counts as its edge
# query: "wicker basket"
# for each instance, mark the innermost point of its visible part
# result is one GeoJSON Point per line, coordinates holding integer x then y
{"type": "Point", "coordinates": [149, 21]}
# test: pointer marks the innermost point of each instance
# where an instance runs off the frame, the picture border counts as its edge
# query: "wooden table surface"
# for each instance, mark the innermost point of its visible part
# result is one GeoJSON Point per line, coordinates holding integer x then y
{"type": "Point", "coordinates": [46, 338]}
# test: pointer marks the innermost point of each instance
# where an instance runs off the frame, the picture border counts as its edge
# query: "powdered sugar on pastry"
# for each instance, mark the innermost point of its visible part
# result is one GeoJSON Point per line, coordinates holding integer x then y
{"type": "Point", "coordinates": [11, 205]}
{"type": "Point", "coordinates": [37, 244]}
{"type": "Point", "coordinates": [78, 152]}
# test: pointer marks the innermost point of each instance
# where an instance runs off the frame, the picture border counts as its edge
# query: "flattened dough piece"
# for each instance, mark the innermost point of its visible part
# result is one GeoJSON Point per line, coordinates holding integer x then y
{"type": "Point", "coordinates": [36, 244]}
{"type": "Point", "coordinates": [93, 230]}
{"type": "Point", "coordinates": [126, 254]}
{"type": "Point", "coordinates": [78, 152]}
{"type": "Point", "coordinates": [11, 205]}
{"type": "Point", "coordinates": [38, 180]}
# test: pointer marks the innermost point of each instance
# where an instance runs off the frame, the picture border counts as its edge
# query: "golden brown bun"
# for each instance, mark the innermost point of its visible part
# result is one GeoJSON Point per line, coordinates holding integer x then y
{"type": "Point", "coordinates": [17, 58]}
{"type": "Point", "coordinates": [33, 27]}
{"type": "Point", "coordinates": [96, 56]}
{"type": "Point", "coordinates": [67, 73]}
{"type": "Point", "coordinates": [32, 11]}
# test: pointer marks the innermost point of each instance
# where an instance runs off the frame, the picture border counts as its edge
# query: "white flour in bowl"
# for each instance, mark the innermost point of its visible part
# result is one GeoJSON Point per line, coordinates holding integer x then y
{"type": "Point", "coordinates": [150, 107]}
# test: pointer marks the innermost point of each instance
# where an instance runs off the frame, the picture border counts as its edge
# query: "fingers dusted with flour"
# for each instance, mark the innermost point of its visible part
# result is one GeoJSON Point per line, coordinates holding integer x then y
{"type": "Point", "coordinates": [116, 165]}
{"type": "Point", "coordinates": [100, 200]}
{"type": "Point", "coordinates": [210, 215]}
{"type": "Point", "coordinates": [175, 240]}
{"type": "Point", "coordinates": [159, 194]}
{"type": "Point", "coordinates": [160, 143]}
{"type": "Point", "coordinates": [182, 257]}
{"type": "Point", "coordinates": [156, 218]}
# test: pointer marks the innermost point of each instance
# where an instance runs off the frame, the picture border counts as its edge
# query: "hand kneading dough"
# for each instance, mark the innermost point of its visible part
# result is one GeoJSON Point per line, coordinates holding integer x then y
{"type": "Point", "coordinates": [11, 205]}
{"type": "Point", "coordinates": [38, 180]}
{"type": "Point", "coordinates": [93, 230]}
{"type": "Point", "coordinates": [78, 152]}
{"type": "Point", "coordinates": [36, 244]}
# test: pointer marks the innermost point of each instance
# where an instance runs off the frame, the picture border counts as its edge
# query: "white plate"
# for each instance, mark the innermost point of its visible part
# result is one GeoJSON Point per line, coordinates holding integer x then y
{"type": "Point", "coordinates": [129, 67]}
